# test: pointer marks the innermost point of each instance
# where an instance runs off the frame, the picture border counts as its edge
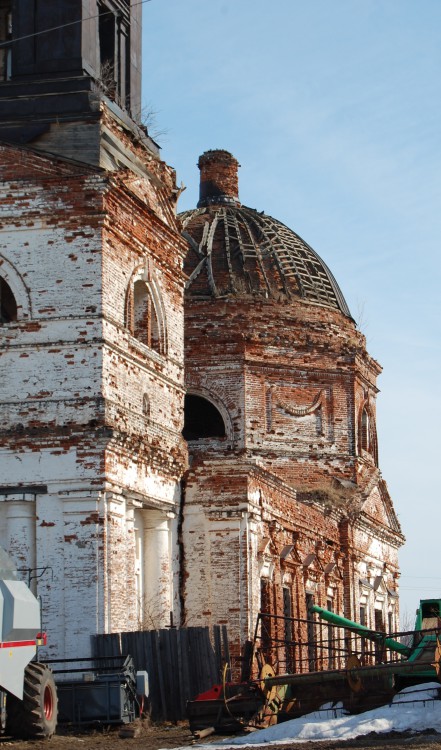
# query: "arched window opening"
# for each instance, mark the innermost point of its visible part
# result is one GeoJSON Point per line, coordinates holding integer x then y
{"type": "Point", "coordinates": [7, 302]}
{"type": "Point", "coordinates": [202, 419]}
{"type": "Point", "coordinates": [364, 431]}
{"type": "Point", "coordinates": [141, 304]}
{"type": "Point", "coordinates": [106, 36]}
{"type": "Point", "coordinates": [114, 51]}
{"type": "Point", "coordinates": [368, 435]}
{"type": "Point", "coordinates": [155, 338]}
{"type": "Point", "coordinates": [145, 326]}
{"type": "Point", "coordinates": [5, 39]}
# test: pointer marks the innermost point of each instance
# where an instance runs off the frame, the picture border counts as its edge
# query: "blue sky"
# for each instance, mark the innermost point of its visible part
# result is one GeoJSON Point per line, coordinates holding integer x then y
{"type": "Point", "coordinates": [333, 110]}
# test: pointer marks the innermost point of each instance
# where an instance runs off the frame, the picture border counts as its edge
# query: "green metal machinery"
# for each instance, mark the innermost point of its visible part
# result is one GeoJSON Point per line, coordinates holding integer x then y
{"type": "Point", "coordinates": [325, 659]}
{"type": "Point", "coordinates": [336, 662]}
{"type": "Point", "coordinates": [418, 648]}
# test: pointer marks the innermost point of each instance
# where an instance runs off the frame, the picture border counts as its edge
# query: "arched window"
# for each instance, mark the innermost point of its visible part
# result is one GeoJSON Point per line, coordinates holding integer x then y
{"type": "Point", "coordinates": [145, 317]}
{"type": "Point", "coordinates": [7, 303]}
{"type": "Point", "coordinates": [368, 435]}
{"type": "Point", "coordinates": [364, 431]}
{"type": "Point", "coordinates": [5, 39]}
{"type": "Point", "coordinates": [202, 419]}
{"type": "Point", "coordinates": [114, 46]}
{"type": "Point", "coordinates": [141, 310]}
{"type": "Point", "coordinates": [144, 314]}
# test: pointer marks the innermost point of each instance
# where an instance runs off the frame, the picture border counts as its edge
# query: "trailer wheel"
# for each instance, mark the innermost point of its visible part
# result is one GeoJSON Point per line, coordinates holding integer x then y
{"type": "Point", "coordinates": [36, 715]}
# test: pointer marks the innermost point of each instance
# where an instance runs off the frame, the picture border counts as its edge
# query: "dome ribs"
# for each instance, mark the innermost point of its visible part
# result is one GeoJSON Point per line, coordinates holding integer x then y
{"type": "Point", "coordinates": [245, 255]}
{"type": "Point", "coordinates": [210, 236]}
{"type": "Point", "coordinates": [307, 267]}
{"type": "Point", "coordinates": [196, 272]}
{"type": "Point", "coordinates": [272, 247]}
{"type": "Point", "coordinates": [202, 258]}
{"type": "Point", "coordinates": [230, 223]}
{"type": "Point", "coordinates": [247, 252]}
{"type": "Point", "coordinates": [248, 223]}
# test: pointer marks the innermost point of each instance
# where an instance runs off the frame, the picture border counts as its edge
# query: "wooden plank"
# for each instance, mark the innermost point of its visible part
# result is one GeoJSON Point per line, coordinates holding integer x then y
{"type": "Point", "coordinates": [206, 659]}
{"type": "Point", "coordinates": [196, 638]}
{"type": "Point", "coordinates": [176, 685]}
{"type": "Point", "coordinates": [217, 651]}
{"type": "Point", "coordinates": [97, 647]}
{"type": "Point", "coordinates": [167, 670]}
{"type": "Point", "coordinates": [180, 672]}
{"type": "Point", "coordinates": [96, 639]}
{"type": "Point", "coordinates": [247, 659]}
{"type": "Point", "coordinates": [155, 692]}
{"type": "Point", "coordinates": [174, 675]}
{"type": "Point", "coordinates": [211, 659]}
{"type": "Point", "coordinates": [125, 645]}
{"type": "Point", "coordinates": [187, 693]}
{"type": "Point", "coordinates": [226, 650]}
{"type": "Point", "coordinates": [193, 664]}
{"type": "Point", "coordinates": [136, 650]}
{"type": "Point", "coordinates": [147, 652]}
{"type": "Point", "coordinates": [206, 653]}
{"type": "Point", "coordinates": [158, 653]}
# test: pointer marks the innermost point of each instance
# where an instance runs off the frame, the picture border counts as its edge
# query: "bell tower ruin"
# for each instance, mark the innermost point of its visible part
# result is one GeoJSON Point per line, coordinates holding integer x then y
{"type": "Point", "coordinates": [91, 332]}
{"type": "Point", "coordinates": [58, 61]}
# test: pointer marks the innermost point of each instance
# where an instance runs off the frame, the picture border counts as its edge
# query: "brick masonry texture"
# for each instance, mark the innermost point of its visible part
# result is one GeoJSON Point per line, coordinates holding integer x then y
{"type": "Point", "coordinates": [115, 323]}
{"type": "Point", "coordinates": [291, 495]}
{"type": "Point", "coordinates": [91, 451]}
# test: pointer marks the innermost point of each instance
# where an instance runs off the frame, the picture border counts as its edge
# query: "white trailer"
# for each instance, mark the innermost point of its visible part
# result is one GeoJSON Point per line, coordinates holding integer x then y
{"type": "Point", "coordinates": [27, 688]}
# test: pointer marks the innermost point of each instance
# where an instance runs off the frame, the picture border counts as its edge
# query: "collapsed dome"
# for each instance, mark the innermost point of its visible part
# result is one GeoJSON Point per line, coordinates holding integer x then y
{"type": "Point", "coordinates": [237, 251]}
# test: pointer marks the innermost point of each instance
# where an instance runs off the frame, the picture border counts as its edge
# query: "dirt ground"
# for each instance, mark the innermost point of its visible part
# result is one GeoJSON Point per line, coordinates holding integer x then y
{"type": "Point", "coordinates": [154, 737]}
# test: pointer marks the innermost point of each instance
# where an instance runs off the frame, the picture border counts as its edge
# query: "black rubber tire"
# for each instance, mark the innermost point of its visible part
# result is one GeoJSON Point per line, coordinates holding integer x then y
{"type": "Point", "coordinates": [36, 715]}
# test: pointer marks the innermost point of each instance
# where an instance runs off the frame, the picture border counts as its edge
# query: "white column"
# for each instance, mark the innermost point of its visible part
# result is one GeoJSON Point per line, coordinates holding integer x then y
{"type": "Point", "coordinates": [139, 571]}
{"type": "Point", "coordinates": [18, 532]}
{"type": "Point", "coordinates": [157, 570]}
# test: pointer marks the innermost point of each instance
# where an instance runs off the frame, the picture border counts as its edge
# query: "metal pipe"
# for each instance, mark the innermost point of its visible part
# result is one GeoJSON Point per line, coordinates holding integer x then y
{"type": "Point", "coordinates": [401, 667]}
{"type": "Point", "coordinates": [362, 630]}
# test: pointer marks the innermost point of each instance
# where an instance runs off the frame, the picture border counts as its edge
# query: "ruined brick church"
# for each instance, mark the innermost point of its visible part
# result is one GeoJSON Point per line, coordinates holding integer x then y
{"type": "Point", "coordinates": [188, 408]}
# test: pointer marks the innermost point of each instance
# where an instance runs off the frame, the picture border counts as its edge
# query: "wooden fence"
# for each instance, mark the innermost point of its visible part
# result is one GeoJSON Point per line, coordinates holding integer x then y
{"type": "Point", "coordinates": [181, 662]}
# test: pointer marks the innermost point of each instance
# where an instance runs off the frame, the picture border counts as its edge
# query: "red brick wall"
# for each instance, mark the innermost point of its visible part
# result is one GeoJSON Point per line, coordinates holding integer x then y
{"type": "Point", "coordinates": [292, 379]}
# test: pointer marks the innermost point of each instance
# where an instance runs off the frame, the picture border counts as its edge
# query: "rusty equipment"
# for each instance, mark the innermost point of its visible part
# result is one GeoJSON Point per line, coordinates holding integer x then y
{"type": "Point", "coordinates": [344, 661]}
{"type": "Point", "coordinates": [325, 659]}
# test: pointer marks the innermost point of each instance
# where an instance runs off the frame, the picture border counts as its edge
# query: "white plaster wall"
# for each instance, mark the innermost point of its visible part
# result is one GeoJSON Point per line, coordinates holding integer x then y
{"type": "Point", "coordinates": [60, 382]}
{"type": "Point", "coordinates": [253, 573]}
{"type": "Point", "coordinates": [55, 356]}
{"type": "Point", "coordinates": [199, 595]}
{"type": "Point", "coordinates": [129, 472]}
{"type": "Point", "coordinates": [217, 568]}
{"type": "Point", "coordinates": [60, 267]}
{"type": "Point", "coordinates": [62, 540]}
